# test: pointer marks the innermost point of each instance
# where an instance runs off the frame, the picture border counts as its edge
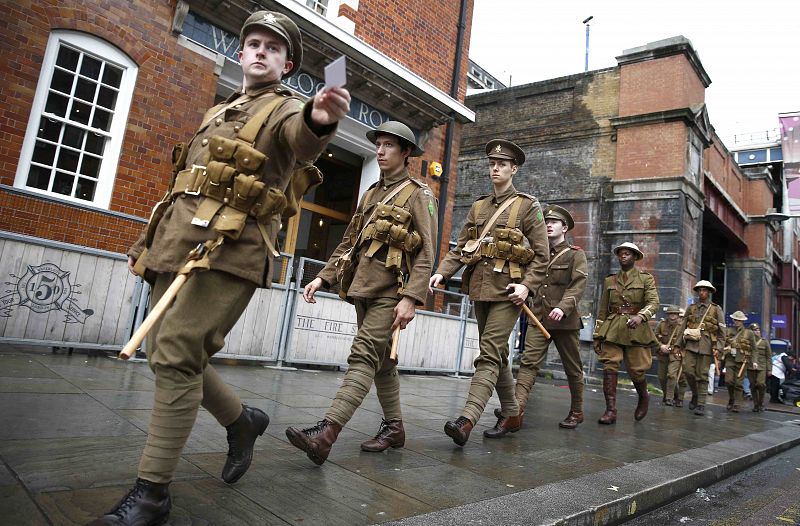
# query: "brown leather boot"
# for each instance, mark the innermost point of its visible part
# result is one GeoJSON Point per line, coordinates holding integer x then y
{"type": "Point", "coordinates": [459, 429]}
{"type": "Point", "coordinates": [573, 419]}
{"type": "Point", "coordinates": [390, 434]}
{"type": "Point", "coordinates": [146, 504]}
{"type": "Point", "coordinates": [504, 425]}
{"type": "Point", "coordinates": [610, 392]}
{"type": "Point", "coordinates": [316, 441]}
{"type": "Point", "coordinates": [242, 435]}
{"type": "Point", "coordinates": [644, 399]}
{"type": "Point", "coordinates": [499, 414]}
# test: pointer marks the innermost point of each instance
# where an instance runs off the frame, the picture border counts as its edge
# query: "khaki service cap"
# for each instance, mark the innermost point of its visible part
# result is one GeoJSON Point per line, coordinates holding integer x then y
{"type": "Point", "coordinates": [754, 327]}
{"type": "Point", "coordinates": [398, 129]}
{"type": "Point", "coordinates": [503, 149]}
{"type": "Point", "coordinates": [284, 27]}
{"type": "Point", "coordinates": [706, 284]}
{"type": "Point", "coordinates": [673, 309]}
{"type": "Point", "coordinates": [739, 315]}
{"type": "Point", "coordinates": [630, 246]}
{"type": "Point", "coordinates": [557, 212]}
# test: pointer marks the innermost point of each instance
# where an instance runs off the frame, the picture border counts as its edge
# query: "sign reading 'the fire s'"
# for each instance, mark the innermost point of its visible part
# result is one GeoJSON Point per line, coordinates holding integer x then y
{"type": "Point", "coordinates": [41, 289]}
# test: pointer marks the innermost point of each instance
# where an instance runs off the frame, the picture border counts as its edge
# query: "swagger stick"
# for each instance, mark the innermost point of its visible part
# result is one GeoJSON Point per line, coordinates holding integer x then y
{"type": "Point", "coordinates": [395, 340]}
{"type": "Point", "coordinates": [533, 317]}
{"type": "Point", "coordinates": [196, 260]}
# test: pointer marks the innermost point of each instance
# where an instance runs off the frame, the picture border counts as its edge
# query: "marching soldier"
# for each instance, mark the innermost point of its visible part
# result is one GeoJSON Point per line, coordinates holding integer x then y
{"type": "Point", "coordinates": [232, 183]}
{"type": "Point", "coordinates": [669, 361]}
{"type": "Point", "coordinates": [739, 346]}
{"type": "Point", "coordinates": [701, 335]}
{"type": "Point", "coordinates": [556, 304]}
{"type": "Point", "coordinates": [390, 240]}
{"type": "Point", "coordinates": [629, 300]}
{"type": "Point", "coordinates": [504, 245]}
{"type": "Point", "coordinates": [757, 367]}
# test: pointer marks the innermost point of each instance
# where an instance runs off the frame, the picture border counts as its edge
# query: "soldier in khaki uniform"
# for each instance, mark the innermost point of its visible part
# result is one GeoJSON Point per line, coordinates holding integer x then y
{"type": "Point", "coordinates": [669, 361]}
{"type": "Point", "coordinates": [740, 344]}
{"type": "Point", "coordinates": [757, 367]}
{"type": "Point", "coordinates": [391, 239]}
{"type": "Point", "coordinates": [701, 334]}
{"type": "Point", "coordinates": [232, 183]}
{"type": "Point", "coordinates": [556, 305]}
{"type": "Point", "coordinates": [504, 245]}
{"type": "Point", "coordinates": [629, 300]}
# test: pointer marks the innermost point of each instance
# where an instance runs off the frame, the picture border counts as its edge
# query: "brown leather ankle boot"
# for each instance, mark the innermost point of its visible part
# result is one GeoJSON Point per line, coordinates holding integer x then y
{"type": "Point", "coordinates": [459, 429]}
{"type": "Point", "coordinates": [610, 392]}
{"type": "Point", "coordinates": [390, 434]}
{"type": "Point", "coordinates": [504, 425]}
{"type": "Point", "coordinates": [644, 399]}
{"type": "Point", "coordinates": [573, 419]}
{"type": "Point", "coordinates": [316, 441]}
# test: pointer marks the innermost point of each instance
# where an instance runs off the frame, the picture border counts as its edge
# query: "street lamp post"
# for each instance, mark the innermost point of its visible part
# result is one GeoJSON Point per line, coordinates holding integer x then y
{"type": "Point", "coordinates": [586, 23]}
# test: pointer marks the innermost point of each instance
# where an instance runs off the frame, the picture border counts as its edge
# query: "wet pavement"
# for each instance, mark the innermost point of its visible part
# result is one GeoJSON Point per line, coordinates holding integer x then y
{"type": "Point", "coordinates": [72, 429]}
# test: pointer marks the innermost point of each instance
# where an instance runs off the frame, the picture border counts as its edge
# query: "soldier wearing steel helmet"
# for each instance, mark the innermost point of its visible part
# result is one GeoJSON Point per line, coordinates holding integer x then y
{"type": "Point", "coordinates": [390, 239]}
{"type": "Point", "coordinates": [740, 345]}
{"type": "Point", "coordinates": [700, 338]}
{"type": "Point", "coordinates": [504, 245]}
{"type": "Point", "coordinates": [669, 362]}
{"type": "Point", "coordinates": [629, 300]}
{"type": "Point", "coordinates": [232, 182]}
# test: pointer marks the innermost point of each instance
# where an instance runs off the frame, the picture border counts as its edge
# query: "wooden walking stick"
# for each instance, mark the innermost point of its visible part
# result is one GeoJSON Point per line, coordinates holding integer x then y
{"type": "Point", "coordinates": [395, 340]}
{"type": "Point", "coordinates": [744, 363]}
{"type": "Point", "coordinates": [196, 260]}
{"type": "Point", "coordinates": [533, 317]}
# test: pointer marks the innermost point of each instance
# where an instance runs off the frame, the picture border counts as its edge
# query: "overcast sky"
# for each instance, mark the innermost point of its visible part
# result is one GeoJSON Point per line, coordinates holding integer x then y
{"type": "Point", "coordinates": [750, 49]}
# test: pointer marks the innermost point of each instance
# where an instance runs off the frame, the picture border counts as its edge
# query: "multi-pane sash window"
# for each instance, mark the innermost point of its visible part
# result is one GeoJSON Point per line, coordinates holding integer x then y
{"type": "Point", "coordinates": [78, 120]}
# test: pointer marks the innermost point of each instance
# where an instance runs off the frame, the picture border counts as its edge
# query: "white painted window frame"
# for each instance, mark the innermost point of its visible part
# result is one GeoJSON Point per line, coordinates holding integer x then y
{"type": "Point", "coordinates": [101, 49]}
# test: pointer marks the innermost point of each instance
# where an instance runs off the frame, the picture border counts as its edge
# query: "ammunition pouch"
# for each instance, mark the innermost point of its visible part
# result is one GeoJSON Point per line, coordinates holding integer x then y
{"type": "Point", "coordinates": [390, 228]}
{"type": "Point", "coordinates": [507, 246]}
{"type": "Point", "coordinates": [244, 157]}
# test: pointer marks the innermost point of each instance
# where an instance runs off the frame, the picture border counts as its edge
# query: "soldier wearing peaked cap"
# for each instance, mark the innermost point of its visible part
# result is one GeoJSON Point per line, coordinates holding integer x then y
{"type": "Point", "coordinates": [701, 336]}
{"type": "Point", "coordinates": [504, 245]}
{"type": "Point", "coordinates": [757, 365]}
{"type": "Point", "coordinates": [230, 186]}
{"type": "Point", "coordinates": [669, 361]}
{"type": "Point", "coordinates": [389, 280]}
{"type": "Point", "coordinates": [740, 345]}
{"type": "Point", "coordinates": [628, 302]}
{"type": "Point", "coordinates": [555, 302]}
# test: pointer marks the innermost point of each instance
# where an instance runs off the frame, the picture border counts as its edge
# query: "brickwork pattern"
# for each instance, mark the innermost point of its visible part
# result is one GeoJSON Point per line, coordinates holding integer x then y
{"type": "Point", "coordinates": [659, 85]}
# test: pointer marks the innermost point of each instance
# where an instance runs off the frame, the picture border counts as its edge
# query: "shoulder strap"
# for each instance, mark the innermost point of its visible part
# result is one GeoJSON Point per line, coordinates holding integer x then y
{"type": "Point", "coordinates": [489, 224]}
{"type": "Point", "coordinates": [512, 215]}
{"type": "Point", "coordinates": [249, 131]}
{"type": "Point", "coordinates": [240, 100]}
{"type": "Point", "coordinates": [554, 258]}
{"type": "Point", "coordinates": [706, 313]}
{"type": "Point", "coordinates": [404, 196]}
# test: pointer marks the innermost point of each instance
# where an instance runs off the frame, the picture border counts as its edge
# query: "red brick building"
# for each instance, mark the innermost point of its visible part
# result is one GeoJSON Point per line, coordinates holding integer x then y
{"type": "Point", "coordinates": [631, 152]}
{"type": "Point", "coordinates": [94, 94]}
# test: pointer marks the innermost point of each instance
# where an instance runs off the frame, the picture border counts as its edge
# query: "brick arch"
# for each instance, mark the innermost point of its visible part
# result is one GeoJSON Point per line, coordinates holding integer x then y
{"type": "Point", "coordinates": [100, 27]}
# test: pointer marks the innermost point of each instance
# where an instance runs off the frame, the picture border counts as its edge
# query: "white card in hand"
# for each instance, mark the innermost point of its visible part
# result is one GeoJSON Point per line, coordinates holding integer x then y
{"type": "Point", "coordinates": [336, 73]}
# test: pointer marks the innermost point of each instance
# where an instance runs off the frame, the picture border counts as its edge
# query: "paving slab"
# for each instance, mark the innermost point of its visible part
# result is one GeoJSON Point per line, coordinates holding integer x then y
{"type": "Point", "coordinates": [72, 429]}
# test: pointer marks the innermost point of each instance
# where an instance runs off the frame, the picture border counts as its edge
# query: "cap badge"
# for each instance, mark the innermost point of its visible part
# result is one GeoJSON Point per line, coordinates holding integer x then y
{"type": "Point", "coordinates": [498, 148]}
{"type": "Point", "coordinates": [269, 18]}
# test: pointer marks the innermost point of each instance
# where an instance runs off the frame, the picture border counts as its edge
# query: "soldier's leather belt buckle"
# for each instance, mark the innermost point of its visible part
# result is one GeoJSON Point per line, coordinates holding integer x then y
{"type": "Point", "coordinates": [627, 310]}
{"type": "Point", "coordinates": [199, 173]}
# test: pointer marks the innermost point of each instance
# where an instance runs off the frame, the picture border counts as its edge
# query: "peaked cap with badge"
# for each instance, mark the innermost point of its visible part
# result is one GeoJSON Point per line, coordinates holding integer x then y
{"type": "Point", "coordinates": [559, 213]}
{"type": "Point", "coordinates": [503, 149]}
{"type": "Point", "coordinates": [284, 27]}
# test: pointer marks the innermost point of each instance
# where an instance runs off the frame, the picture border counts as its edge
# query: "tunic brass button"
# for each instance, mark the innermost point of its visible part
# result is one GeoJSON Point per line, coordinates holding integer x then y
{"type": "Point", "coordinates": [218, 122]}
{"type": "Point", "coordinates": [225, 200]}
{"type": "Point", "coordinates": [545, 286]}
{"type": "Point", "coordinates": [204, 142]}
{"type": "Point", "coordinates": [384, 188]}
{"type": "Point", "coordinates": [237, 128]}
{"type": "Point", "coordinates": [485, 262]}
{"type": "Point", "coordinates": [219, 149]}
{"type": "Point", "coordinates": [246, 160]}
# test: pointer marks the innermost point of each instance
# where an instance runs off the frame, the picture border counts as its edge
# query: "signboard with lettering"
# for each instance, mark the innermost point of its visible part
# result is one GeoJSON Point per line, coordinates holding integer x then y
{"type": "Point", "coordinates": [779, 321]}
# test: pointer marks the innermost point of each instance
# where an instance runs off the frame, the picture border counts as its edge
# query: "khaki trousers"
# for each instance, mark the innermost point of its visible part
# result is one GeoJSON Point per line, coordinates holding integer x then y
{"type": "Point", "coordinates": [536, 346]}
{"type": "Point", "coordinates": [663, 372]}
{"type": "Point", "coordinates": [676, 387]}
{"type": "Point", "coordinates": [368, 362]}
{"type": "Point", "coordinates": [733, 381]}
{"type": "Point", "coordinates": [638, 359]}
{"type": "Point", "coordinates": [496, 320]}
{"type": "Point", "coordinates": [192, 330]}
{"type": "Point", "coordinates": [695, 368]}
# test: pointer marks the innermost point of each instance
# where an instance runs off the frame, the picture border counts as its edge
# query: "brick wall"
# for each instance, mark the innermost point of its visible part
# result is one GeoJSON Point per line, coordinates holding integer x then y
{"type": "Point", "coordinates": [658, 85]}
{"type": "Point", "coordinates": [419, 34]}
{"type": "Point", "coordinates": [173, 88]}
{"type": "Point", "coordinates": [655, 150]}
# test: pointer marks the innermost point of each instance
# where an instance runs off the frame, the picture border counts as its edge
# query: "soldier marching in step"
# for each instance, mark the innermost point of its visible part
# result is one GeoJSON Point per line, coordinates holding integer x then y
{"type": "Point", "coordinates": [669, 360]}
{"type": "Point", "coordinates": [740, 344]}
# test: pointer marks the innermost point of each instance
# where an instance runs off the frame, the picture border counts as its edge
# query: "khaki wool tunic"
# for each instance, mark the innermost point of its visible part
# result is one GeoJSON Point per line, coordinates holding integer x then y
{"type": "Point", "coordinates": [667, 334]}
{"type": "Point", "coordinates": [372, 279]}
{"type": "Point", "coordinates": [564, 284]}
{"type": "Point", "coordinates": [742, 343]}
{"type": "Point", "coordinates": [480, 280]}
{"type": "Point", "coordinates": [762, 356]}
{"type": "Point", "coordinates": [639, 288]}
{"type": "Point", "coordinates": [712, 333]}
{"type": "Point", "coordinates": [285, 139]}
